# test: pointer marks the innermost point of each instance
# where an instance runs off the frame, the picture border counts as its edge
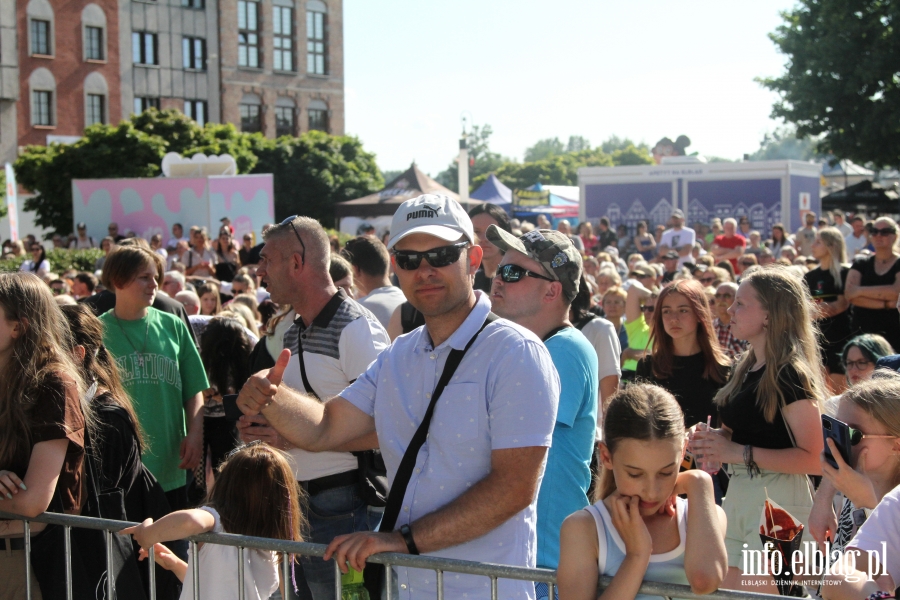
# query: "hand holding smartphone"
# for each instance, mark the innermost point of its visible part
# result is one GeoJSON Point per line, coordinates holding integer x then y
{"type": "Point", "coordinates": [840, 433]}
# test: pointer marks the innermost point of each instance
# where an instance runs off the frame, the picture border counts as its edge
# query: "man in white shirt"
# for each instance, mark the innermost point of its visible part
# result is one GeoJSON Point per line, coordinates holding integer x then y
{"type": "Point", "coordinates": [83, 241]}
{"type": "Point", "coordinates": [841, 224]}
{"type": "Point", "coordinates": [371, 263]}
{"type": "Point", "coordinates": [177, 236]}
{"type": "Point", "coordinates": [858, 238]}
{"type": "Point", "coordinates": [679, 238]}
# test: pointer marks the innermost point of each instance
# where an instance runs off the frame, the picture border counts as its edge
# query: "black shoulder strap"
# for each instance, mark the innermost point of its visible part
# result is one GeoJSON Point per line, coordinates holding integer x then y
{"type": "Point", "coordinates": [306, 385]}
{"type": "Point", "coordinates": [404, 472]}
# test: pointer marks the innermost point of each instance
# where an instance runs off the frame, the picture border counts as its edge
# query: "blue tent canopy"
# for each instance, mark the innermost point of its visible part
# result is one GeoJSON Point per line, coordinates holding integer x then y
{"type": "Point", "coordinates": [493, 191]}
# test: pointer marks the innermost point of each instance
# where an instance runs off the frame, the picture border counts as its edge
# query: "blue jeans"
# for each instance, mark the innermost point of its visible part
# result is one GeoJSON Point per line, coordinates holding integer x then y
{"type": "Point", "coordinates": [331, 513]}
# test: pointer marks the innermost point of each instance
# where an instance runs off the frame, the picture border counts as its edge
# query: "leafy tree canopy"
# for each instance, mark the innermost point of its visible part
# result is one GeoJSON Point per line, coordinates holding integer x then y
{"type": "Point", "coordinates": [313, 171]}
{"type": "Point", "coordinates": [614, 143]}
{"type": "Point", "coordinates": [483, 159]}
{"type": "Point", "coordinates": [783, 144]}
{"type": "Point", "coordinates": [841, 79]}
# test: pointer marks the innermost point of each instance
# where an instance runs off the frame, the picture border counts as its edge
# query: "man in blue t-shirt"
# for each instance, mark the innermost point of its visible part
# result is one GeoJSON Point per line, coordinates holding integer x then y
{"type": "Point", "coordinates": [537, 280]}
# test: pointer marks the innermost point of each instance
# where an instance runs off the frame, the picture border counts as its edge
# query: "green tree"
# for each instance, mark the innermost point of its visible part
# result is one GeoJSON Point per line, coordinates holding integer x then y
{"type": "Point", "coordinates": [104, 151]}
{"type": "Point", "coordinates": [841, 80]}
{"type": "Point", "coordinates": [544, 149]}
{"type": "Point", "coordinates": [577, 143]}
{"type": "Point", "coordinates": [614, 143]}
{"type": "Point", "coordinates": [630, 155]}
{"type": "Point", "coordinates": [783, 144]}
{"type": "Point", "coordinates": [484, 161]}
{"type": "Point", "coordinates": [391, 175]}
{"type": "Point", "coordinates": [315, 171]}
{"type": "Point", "coordinates": [2, 192]}
{"type": "Point", "coordinates": [556, 170]}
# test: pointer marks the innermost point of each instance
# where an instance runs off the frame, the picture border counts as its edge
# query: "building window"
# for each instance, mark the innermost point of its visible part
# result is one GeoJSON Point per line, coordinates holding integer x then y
{"type": "Point", "coordinates": [143, 48]}
{"type": "Point", "coordinates": [194, 53]}
{"type": "Point", "coordinates": [285, 123]}
{"type": "Point", "coordinates": [42, 107]}
{"type": "Point", "coordinates": [315, 42]}
{"type": "Point", "coordinates": [93, 43]}
{"type": "Point", "coordinates": [95, 109]}
{"type": "Point", "coordinates": [283, 41]}
{"type": "Point", "coordinates": [193, 3]}
{"type": "Point", "coordinates": [196, 109]}
{"type": "Point", "coordinates": [40, 37]}
{"type": "Point", "coordinates": [251, 118]}
{"type": "Point", "coordinates": [142, 104]}
{"type": "Point", "coordinates": [318, 119]}
{"type": "Point", "coordinates": [248, 34]}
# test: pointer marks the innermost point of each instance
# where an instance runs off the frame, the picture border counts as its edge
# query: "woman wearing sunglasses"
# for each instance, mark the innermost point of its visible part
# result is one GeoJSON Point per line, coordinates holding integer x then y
{"type": "Point", "coordinates": [873, 285]}
{"type": "Point", "coordinates": [872, 411]}
{"type": "Point", "coordinates": [640, 300]}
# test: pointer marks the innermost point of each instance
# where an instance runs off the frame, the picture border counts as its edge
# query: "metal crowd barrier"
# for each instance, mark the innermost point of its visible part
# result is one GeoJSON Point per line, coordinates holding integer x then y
{"type": "Point", "coordinates": [389, 559]}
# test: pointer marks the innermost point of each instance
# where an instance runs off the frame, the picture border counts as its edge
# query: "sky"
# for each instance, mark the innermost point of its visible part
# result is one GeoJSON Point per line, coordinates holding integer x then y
{"type": "Point", "coordinates": [641, 69]}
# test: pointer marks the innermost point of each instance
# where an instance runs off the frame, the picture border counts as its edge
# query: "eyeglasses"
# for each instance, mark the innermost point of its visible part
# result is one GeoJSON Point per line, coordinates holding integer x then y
{"type": "Point", "coordinates": [707, 279]}
{"type": "Point", "coordinates": [748, 263]}
{"type": "Point", "coordinates": [724, 296]}
{"type": "Point", "coordinates": [444, 256]}
{"type": "Point", "coordinates": [514, 273]}
{"type": "Point", "coordinates": [647, 309]}
{"type": "Point", "coordinates": [856, 436]}
{"type": "Point", "coordinates": [299, 239]}
{"type": "Point", "coordinates": [883, 231]}
{"type": "Point", "coordinates": [857, 364]}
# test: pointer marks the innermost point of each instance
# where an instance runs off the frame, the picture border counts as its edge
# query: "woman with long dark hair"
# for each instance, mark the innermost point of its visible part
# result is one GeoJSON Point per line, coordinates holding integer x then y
{"type": "Point", "coordinates": [771, 431]}
{"type": "Point", "coordinates": [685, 358]}
{"type": "Point", "coordinates": [38, 263]}
{"type": "Point", "coordinates": [826, 285]}
{"type": "Point", "coordinates": [44, 420]}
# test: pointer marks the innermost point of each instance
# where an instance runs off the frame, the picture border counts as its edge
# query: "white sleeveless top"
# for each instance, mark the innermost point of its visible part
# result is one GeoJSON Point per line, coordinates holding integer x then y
{"type": "Point", "coordinates": [667, 567]}
{"type": "Point", "coordinates": [219, 571]}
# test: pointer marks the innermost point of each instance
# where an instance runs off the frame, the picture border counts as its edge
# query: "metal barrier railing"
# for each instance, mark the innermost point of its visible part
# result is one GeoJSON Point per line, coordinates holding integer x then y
{"type": "Point", "coordinates": [438, 565]}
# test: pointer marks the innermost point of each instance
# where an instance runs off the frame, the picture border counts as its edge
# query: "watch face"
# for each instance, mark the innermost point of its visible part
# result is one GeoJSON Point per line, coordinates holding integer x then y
{"type": "Point", "coordinates": [859, 517]}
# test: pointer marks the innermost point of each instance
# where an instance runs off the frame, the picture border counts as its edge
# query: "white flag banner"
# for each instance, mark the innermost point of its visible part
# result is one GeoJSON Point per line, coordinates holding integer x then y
{"type": "Point", "coordinates": [12, 203]}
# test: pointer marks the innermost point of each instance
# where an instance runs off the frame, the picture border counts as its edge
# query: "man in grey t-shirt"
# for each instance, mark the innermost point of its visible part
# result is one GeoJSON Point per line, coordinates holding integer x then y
{"type": "Point", "coordinates": [370, 261]}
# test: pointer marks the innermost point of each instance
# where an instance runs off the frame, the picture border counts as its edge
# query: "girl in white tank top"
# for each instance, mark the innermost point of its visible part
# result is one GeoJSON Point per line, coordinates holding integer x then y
{"type": "Point", "coordinates": [639, 529]}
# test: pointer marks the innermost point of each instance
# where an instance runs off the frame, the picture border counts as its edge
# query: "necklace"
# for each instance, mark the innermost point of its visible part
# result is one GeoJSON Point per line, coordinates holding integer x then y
{"type": "Point", "coordinates": [139, 356]}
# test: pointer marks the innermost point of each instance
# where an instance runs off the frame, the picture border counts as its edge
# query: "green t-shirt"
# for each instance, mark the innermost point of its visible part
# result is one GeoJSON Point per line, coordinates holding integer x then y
{"type": "Point", "coordinates": [160, 369]}
{"type": "Point", "coordinates": [638, 336]}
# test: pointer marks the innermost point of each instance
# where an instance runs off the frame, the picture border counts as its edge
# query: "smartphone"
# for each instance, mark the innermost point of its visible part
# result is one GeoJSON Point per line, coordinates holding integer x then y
{"type": "Point", "coordinates": [232, 412]}
{"type": "Point", "coordinates": [840, 433]}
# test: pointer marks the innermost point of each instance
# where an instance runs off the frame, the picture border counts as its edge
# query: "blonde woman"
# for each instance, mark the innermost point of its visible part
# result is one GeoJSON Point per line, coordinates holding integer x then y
{"type": "Point", "coordinates": [873, 284]}
{"type": "Point", "coordinates": [771, 432]}
{"type": "Point", "coordinates": [826, 286]}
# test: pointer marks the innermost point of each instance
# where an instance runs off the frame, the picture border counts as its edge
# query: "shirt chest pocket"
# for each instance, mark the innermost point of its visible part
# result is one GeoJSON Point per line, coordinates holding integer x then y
{"type": "Point", "coordinates": [458, 412]}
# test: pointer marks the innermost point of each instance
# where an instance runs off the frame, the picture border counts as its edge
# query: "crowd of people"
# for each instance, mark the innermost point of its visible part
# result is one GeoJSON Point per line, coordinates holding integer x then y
{"type": "Point", "coordinates": [600, 402]}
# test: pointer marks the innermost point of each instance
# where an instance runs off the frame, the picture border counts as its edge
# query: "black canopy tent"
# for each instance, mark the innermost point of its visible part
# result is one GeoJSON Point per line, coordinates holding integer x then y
{"type": "Point", "coordinates": [407, 186]}
{"type": "Point", "coordinates": [863, 197]}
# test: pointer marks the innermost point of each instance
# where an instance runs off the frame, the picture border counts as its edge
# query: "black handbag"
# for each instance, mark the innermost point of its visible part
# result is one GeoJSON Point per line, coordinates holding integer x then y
{"type": "Point", "coordinates": [88, 551]}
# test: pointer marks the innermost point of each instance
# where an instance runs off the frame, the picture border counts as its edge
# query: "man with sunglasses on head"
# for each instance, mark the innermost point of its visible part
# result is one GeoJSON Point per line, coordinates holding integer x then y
{"type": "Point", "coordinates": [535, 285]}
{"type": "Point", "coordinates": [331, 343]}
{"type": "Point", "coordinates": [465, 448]}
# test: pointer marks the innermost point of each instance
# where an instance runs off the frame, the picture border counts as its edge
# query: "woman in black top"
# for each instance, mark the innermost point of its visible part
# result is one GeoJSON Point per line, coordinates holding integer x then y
{"type": "Point", "coordinates": [771, 432]}
{"type": "Point", "coordinates": [873, 285]}
{"type": "Point", "coordinates": [826, 285]}
{"type": "Point", "coordinates": [686, 358]}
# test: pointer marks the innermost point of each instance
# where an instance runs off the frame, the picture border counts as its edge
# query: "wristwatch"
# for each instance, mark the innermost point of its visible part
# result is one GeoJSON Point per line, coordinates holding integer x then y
{"type": "Point", "coordinates": [406, 532]}
{"type": "Point", "coordinates": [860, 515]}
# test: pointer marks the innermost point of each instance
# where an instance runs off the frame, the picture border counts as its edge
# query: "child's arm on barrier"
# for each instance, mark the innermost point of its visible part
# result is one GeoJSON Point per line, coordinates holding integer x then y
{"type": "Point", "coordinates": [167, 560]}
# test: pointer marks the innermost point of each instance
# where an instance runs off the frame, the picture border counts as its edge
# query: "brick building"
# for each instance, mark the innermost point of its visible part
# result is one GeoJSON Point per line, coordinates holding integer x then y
{"type": "Point", "coordinates": [68, 68]}
{"type": "Point", "coordinates": [274, 66]}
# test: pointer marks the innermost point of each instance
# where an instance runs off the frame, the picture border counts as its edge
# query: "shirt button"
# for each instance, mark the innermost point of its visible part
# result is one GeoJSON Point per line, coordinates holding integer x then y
{"type": "Point", "coordinates": [406, 509]}
{"type": "Point", "coordinates": [402, 586]}
{"type": "Point", "coordinates": [432, 357]}
{"type": "Point", "coordinates": [428, 395]}
{"type": "Point", "coordinates": [418, 470]}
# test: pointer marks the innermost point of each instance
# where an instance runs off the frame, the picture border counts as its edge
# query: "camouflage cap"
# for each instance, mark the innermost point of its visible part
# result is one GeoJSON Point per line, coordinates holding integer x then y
{"type": "Point", "coordinates": [554, 250]}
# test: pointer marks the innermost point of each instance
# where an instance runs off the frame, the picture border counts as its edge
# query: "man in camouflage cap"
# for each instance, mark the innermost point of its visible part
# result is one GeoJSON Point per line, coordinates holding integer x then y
{"type": "Point", "coordinates": [554, 251]}
{"type": "Point", "coordinates": [534, 287]}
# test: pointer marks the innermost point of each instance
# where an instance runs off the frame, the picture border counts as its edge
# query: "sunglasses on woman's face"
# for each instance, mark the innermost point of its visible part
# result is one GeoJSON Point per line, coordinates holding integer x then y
{"type": "Point", "coordinates": [514, 273]}
{"type": "Point", "coordinates": [876, 231]}
{"type": "Point", "coordinates": [444, 256]}
{"type": "Point", "coordinates": [856, 436]}
{"type": "Point", "coordinates": [647, 309]}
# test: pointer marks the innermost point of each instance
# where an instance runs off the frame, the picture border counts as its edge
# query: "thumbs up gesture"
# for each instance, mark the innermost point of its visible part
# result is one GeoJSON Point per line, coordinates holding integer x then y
{"type": "Point", "coordinates": [260, 389]}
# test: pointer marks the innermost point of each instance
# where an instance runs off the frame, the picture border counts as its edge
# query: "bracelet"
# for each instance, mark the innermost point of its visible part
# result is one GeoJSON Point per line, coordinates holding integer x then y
{"type": "Point", "coordinates": [406, 532]}
{"type": "Point", "coordinates": [752, 467]}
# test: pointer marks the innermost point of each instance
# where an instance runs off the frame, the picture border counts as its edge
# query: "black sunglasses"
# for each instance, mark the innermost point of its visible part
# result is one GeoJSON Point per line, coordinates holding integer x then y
{"type": "Point", "coordinates": [856, 436]}
{"type": "Point", "coordinates": [299, 239]}
{"type": "Point", "coordinates": [514, 273]}
{"type": "Point", "coordinates": [444, 256]}
{"type": "Point", "coordinates": [883, 231]}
